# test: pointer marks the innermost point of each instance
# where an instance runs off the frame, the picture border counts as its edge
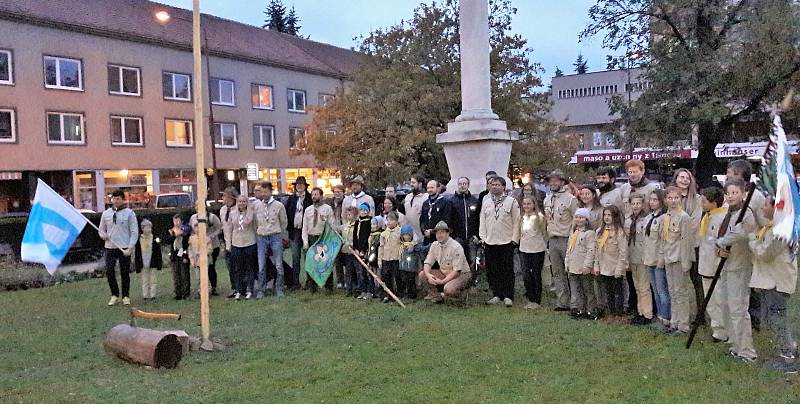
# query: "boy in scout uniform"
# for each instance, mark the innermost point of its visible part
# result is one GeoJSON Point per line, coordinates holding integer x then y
{"type": "Point", "coordinates": [559, 209]}
{"type": "Point", "coordinates": [636, 226]}
{"type": "Point", "coordinates": [714, 213]}
{"type": "Point", "coordinates": [678, 254]}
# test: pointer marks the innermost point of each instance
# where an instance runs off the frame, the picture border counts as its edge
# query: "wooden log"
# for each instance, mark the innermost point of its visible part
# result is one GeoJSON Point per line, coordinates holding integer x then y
{"type": "Point", "coordinates": [144, 346]}
{"type": "Point", "coordinates": [183, 338]}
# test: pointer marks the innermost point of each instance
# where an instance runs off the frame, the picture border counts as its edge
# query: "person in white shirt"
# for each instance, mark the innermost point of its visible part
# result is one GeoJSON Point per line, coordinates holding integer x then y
{"type": "Point", "coordinates": [120, 230]}
{"type": "Point", "coordinates": [500, 232]}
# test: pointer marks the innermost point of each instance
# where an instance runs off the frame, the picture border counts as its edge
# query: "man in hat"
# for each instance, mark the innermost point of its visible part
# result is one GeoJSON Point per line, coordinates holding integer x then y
{"type": "Point", "coordinates": [559, 209]}
{"type": "Point", "coordinates": [295, 208]}
{"type": "Point", "coordinates": [453, 274]}
{"type": "Point", "coordinates": [358, 197]}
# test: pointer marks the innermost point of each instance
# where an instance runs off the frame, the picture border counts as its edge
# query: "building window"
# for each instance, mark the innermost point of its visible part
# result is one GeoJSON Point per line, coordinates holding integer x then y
{"type": "Point", "coordinates": [64, 128]}
{"type": "Point", "coordinates": [179, 133]}
{"type": "Point", "coordinates": [6, 67]}
{"type": "Point", "coordinates": [297, 100]}
{"type": "Point", "coordinates": [8, 130]}
{"type": "Point", "coordinates": [126, 131]}
{"type": "Point", "coordinates": [221, 92]}
{"type": "Point", "coordinates": [297, 139]}
{"type": "Point", "coordinates": [62, 73]}
{"type": "Point", "coordinates": [264, 137]}
{"type": "Point", "coordinates": [610, 140]}
{"type": "Point", "coordinates": [324, 99]}
{"type": "Point", "coordinates": [262, 96]}
{"type": "Point", "coordinates": [581, 141]}
{"type": "Point", "coordinates": [177, 86]}
{"type": "Point", "coordinates": [225, 136]}
{"type": "Point", "coordinates": [123, 80]}
{"type": "Point", "coordinates": [597, 139]}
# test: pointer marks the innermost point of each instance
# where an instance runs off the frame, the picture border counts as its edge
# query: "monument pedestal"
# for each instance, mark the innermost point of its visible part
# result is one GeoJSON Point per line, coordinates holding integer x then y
{"type": "Point", "coordinates": [473, 147]}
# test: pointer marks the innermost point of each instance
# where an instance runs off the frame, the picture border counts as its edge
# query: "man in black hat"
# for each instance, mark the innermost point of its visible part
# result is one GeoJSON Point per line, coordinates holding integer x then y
{"type": "Point", "coordinates": [358, 197]}
{"type": "Point", "coordinates": [295, 207]}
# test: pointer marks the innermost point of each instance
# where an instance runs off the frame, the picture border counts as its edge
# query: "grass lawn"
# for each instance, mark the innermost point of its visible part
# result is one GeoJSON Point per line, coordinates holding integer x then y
{"type": "Point", "coordinates": [319, 348]}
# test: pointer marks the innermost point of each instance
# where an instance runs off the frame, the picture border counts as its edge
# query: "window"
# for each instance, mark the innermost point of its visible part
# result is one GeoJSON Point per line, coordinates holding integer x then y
{"type": "Point", "coordinates": [123, 80]}
{"type": "Point", "coordinates": [297, 100]}
{"type": "Point", "coordinates": [64, 128]}
{"type": "Point", "coordinates": [297, 139]}
{"type": "Point", "coordinates": [264, 137]}
{"type": "Point", "coordinates": [221, 92]}
{"type": "Point", "coordinates": [126, 131]}
{"type": "Point", "coordinates": [581, 141]}
{"type": "Point", "coordinates": [262, 96]}
{"type": "Point", "coordinates": [7, 126]}
{"type": "Point", "coordinates": [597, 139]}
{"type": "Point", "coordinates": [324, 99]}
{"type": "Point", "coordinates": [610, 140]}
{"type": "Point", "coordinates": [179, 133]}
{"type": "Point", "coordinates": [225, 136]}
{"type": "Point", "coordinates": [62, 73]}
{"type": "Point", "coordinates": [177, 86]}
{"type": "Point", "coordinates": [6, 67]}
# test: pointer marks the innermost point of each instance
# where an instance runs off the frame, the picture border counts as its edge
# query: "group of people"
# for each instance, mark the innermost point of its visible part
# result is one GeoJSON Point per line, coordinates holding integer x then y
{"type": "Point", "coordinates": [639, 248]}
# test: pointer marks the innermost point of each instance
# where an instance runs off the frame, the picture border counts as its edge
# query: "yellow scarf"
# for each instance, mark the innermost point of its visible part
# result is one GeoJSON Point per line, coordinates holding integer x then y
{"type": "Point", "coordinates": [603, 239]}
{"type": "Point", "coordinates": [572, 240]}
{"type": "Point", "coordinates": [704, 221]}
{"type": "Point", "coordinates": [667, 219]}
{"type": "Point", "coordinates": [764, 229]}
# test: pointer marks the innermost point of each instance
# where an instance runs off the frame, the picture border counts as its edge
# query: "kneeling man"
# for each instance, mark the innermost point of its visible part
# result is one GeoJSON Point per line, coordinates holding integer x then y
{"type": "Point", "coordinates": [453, 274]}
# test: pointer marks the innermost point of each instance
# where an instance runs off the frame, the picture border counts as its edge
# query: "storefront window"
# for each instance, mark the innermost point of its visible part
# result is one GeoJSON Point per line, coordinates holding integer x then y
{"type": "Point", "coordinates": [327, 179]}
{"type": "Point", "coordinates": [137, 185]}
{"type": "Point", "coordinates": [293, 173]}
{"type": "Point", "coordinates": [87, 190]}
{"type": "Point", "coordinates": [178, 180]}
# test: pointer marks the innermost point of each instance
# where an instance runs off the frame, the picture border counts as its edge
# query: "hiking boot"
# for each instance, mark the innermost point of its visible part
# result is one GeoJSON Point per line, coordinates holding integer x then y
{"type": "Point", "coordinates": [493, 301]}
{"type": "Point", "coordinates": [430, 296]}
{"type": "Point", "coordinates": [126, 301]}
{"type": "Point", "coordinates": [113, 300]}
{"type": "Point", "coordinates": [531, 306]}
{"type": "Point", "coordinates": [438, 299]}
{"type": "Point", "coordinates": [508, 302]}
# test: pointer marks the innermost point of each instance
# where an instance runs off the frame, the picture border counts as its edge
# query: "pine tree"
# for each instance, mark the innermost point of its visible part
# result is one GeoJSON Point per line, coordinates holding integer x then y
{"type": "Point", "coordinates": [276, 16]}
{"type": "Point", "coordinates": [559, 73]}
{"type": "Point", "coordinates": [292, 23]}
{"type": "Point", "coordinates": [581, 65]}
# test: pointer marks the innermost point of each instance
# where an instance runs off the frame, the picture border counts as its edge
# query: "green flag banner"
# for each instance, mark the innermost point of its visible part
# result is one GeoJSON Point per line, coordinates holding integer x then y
{"type": "Point", "coordinates": [320, 256]}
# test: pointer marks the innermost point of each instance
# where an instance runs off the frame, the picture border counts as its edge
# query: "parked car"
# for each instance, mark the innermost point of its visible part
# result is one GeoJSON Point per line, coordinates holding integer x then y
{"type": "Point", "coordinates": [174, 200]}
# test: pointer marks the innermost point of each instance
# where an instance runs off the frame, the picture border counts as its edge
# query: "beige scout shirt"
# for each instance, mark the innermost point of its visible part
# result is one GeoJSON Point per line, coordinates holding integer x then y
{"type": "Point", "coordinates": [243, 228]}
{"type": "Point", "coordinates": [533, 234]}
{"type": "Point", "coordinates": [581, 256]}
{"type": "Point", "coordinates": [270, 217]}
{"type": "Point", "coordinates": [637, 241]}
{"type": "Point", "coordinates": [613, 197]}
{"type": "Point", "coordinates": [314, 219]}
{"type": "Point", "coordinates": [213, 228]}
{"type": "Point", "coordinates": [707, 265]}
{"type": "Point", "coordinates": [449, 255]}
{"type": "Point", "coordinates": [347, 236]}
{"type": "Point", "coordinates": [596, 217]}
{"type": "Point", "coordinates": [694, 208]}
{"type": "Point", "coordinates": [627, 190]}
{"type": "Point", "coordinates": [774, 266]}
{"type": "Point", "coordinates": [737, 237]}
{"type": "Point", "coordinates": [653, 243]}
{"type": "Point", "coordinates": [677, 240]}
{"type": "Point", "coordinates": [391, 245]}
{"type": "Point", "coordinates": [612, 258]}
{"type": "Point", "coordinates": [224, 216]}
{"type": "Point", "coordinates": [559, 209]}
{"type": "Point", "coordinates": [499, 222]}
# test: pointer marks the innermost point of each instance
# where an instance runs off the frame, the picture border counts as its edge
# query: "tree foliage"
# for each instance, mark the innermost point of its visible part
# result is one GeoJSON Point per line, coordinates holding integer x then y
{"type": "Point", "coordinates": [278, 20]}
{"type": "Point", "coordinates": [293, 23]}
{"type": "Point", "coordinates": [711, 66]}
{"type": "Point", "coordinates": [581, 65]}
{"type": "Point", "coordinates": [558, 72]}
{"type": "Point", "coordinates": [408, 89]}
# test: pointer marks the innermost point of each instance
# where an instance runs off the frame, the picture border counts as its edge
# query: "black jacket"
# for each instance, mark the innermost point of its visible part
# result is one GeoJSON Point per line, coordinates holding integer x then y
{"type": "Point", "coordinates": [291, 208]}
{"type": "Point", "coordinates": [433, 213]}
{"type": "Point", "coordinates": [155, 261]}
{"type": "Point", "coordinates": [173, 255]}
{"type": "Point", "coordinates": [466, 213]}
{"type": "Point", "coordinates": [361, 231]}
{"type": "Point", "coordinates": [480, 199]}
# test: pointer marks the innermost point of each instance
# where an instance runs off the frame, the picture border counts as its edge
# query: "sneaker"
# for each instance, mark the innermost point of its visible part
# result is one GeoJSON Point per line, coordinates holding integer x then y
{"type": "Point", "coordinates": [531, 306]}
{"type": "Point", "coordinates": [113, 300]}
{"type": "Point", "coordinates": [677, 333]}
{"type": "Point", "coordinates": [387, 300]}
{"type": "Point", "coordinates": [126, 301]}
{"type": "Point", "coordinates": [214, 292]}
{"type": "Point", "coordinates": [231, 295]}
{"type": "Point", "coordinates": [589, 316]}
{"type": "Point", "coordinates": [362, 296]}
{"type": "Point", "coordinates": [439, 299]}
{"type": "Point", "coordinates": [716, 340]}
{"type": "Point", "coordinates": [494, 300]}
{"type": "Point", "coordinates": [508, 302]}
{"type": "Point", "coordinates": [237, 296]}
{"type": "Point", "coordinates": [745, 359]}
{"type": "Point", "coordinates": [575, 313]}
{"type": "Point", "coordinates": [339, 286]}
{"type": "Point", "coordinates": [248, 296]}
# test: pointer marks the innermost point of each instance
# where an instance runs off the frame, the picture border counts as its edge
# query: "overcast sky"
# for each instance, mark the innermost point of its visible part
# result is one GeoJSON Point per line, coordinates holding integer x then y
{"type": "Point", "coordinates": [551, 27]}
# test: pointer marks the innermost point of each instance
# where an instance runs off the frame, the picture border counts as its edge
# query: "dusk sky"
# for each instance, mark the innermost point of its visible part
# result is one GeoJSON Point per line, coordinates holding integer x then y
{"type": "Point", "coordinates": [551, 27]}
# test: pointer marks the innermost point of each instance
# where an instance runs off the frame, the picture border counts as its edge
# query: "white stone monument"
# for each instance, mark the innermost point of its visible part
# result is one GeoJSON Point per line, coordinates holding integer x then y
{"type": "Point", "coordinates": [477, 141]}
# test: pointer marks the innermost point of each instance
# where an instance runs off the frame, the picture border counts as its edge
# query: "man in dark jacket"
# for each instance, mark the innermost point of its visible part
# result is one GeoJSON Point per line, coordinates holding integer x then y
{"type": "Point", "coordinates": [465, 218]}
{"type": "Point", "coordinates": [295, 207]}
{"type": "Point", "coordinates": [436, 209]}
{"type": "Point", "coordinates": [489, 175]}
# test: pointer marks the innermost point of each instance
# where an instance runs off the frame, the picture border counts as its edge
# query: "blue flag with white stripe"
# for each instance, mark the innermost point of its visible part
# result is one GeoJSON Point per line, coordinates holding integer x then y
{"type": "Point", "coordinates": [53, 226]}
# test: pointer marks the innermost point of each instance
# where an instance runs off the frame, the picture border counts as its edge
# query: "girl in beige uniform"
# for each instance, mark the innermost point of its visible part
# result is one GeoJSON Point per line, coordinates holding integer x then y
{"type": "Point", "coordinates": [611, 260]}
{"type": "Point", "coordinates": [579, 263]}
{"type": "Point", "coordinates": [653, 256]}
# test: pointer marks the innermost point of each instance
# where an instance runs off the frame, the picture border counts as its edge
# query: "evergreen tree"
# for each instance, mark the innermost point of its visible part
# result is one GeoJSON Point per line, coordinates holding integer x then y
{"type": "Point", "coordinates": [276, 16]}
{"type": "Point", "coordinates": [292, 23]}
{"type": "Point", "coordinates": [581, 65]}
{"type": "Point", "coordinates": [559, 73]}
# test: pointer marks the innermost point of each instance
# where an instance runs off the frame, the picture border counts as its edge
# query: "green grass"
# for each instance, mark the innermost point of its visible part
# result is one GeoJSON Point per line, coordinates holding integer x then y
{"type": "Point", "coordinates": [317, 348]}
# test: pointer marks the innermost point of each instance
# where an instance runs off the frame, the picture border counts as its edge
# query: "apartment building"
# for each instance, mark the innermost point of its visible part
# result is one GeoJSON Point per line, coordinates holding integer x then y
{"type": "Point", "coordinates": [97, 95]}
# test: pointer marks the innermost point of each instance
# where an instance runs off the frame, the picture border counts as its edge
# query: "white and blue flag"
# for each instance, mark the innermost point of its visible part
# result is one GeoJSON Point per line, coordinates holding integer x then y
{"type": "Point", "coordinates": [53, 226]}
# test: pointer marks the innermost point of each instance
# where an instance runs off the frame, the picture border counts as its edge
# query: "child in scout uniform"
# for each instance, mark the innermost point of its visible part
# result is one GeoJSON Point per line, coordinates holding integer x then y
{"type": "Point", "coordinates": [389, 254]}
{"type": "Point", "coordinates": [714, 213]}
{"type": "Point", "coordinates": [373, 288]}
{"type": "Point", "coordinates": [409, 263]}
{"type": "Point", "coordinates": [653, 256]}
{"type": "Point", "coordinates": [678, 256]}
{"type": "Point", "coordinates": [361, 232]}
{"type": "Point", "coordinates": [636, 225]}
{"type": "Point", "coordinates": [580, 262]}
{"type": "Point", "coordinates": [775, 276]}
{"type": "Point", "coordinates": [736, 273]}
{"type": "Point", "coordinates": [351, 266]}
{"type": "Point", "coordinates": [611, 260]}
{"type": "Point", "coordinates": [148, 259]}
{"type": "Point", "coordinates": [194, 249]}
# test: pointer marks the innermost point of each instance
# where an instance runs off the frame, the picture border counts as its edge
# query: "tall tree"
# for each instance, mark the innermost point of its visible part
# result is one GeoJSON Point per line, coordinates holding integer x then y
{"type": "Point", "coordinates": [408, 89]}
{"type": "Point", "coordinates": [581, 65]}
{"type": "Point", "coordinates": [276, 16]}
{"type": "Point", "coordinates": [293, 23]}
{"type": "Point", "coordinates": [712, 66]}
{"type": "Point", "coordinates": [559, 72]}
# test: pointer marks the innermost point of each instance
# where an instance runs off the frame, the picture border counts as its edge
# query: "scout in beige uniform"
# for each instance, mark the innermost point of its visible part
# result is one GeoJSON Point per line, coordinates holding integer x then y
{"type": "Point", "coordinates": [271, 221]}
{"type": "Point", "coordinates": [637, 184]}
{"type": "Point", "coordinates": [580, 263]}
{"type": "Point", "coordinates": [736, 272]}
{"type": "Point", "coordinates": [611, 261]}
{"type": "Point", "coordinates": [532, 246]}
{"type": "Point", "coordinates": [314, 219]}
{"type": "Point", "coordinates": [589, 198]}
{"type": "Point", "coordinates": [499, 230]}
{"type": "Point", "coordinates": [691, 204]}
{"type": "Point", "coordinates": [678, 256]}
{"type": "Point", "coordinates": [559, 209]}
{"type": "Point", "coordinates": [653, 256]}
{"type": "Point", "coordinates": [636, 226]}
{"type": "Point", "coordinates": [389, 251]}
{"type": "Point", "coordinates": [610, 194]}
{"type": "Point", "coordinates": [453, 274]}
{"type": "Point", "coordinates": [710, 226]}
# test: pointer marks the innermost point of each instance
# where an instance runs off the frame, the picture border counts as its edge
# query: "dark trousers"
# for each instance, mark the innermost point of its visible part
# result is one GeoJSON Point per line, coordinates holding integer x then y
{"type": "Point", "coordinates": [365, 282]}
{"type": "Point", "coordinates": [112, 256]}
{"type": "Point", "coordinates": [245, 262]}
{"type": "Point", "coordinates": [500, 269]}
{"type": "Point", "coordinates": [389, 276]}
{"type": "Point", "coordinates": [351, 270]}
{"type": "Point", "coordinates": [180, 278]}
{"type": "Point", "coordinates": [697, 283]}
{"type": "Point", "coordinates": [610, 293]}
{"type": "Point", "coordinates": [406, 284]}
{"type": "Point", "coordinates": [532, 264]}
{"type": "Point", "coordinates": [633, 301]}
{"type": "Point", "coordinates": [338, 268]}
{"type": "Point", "coordinates": [212, 268]}
{"type": "Point", "coordinates": [231, 270]}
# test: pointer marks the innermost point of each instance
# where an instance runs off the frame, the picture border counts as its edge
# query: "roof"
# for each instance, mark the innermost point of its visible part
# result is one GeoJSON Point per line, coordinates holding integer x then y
{"type": "Point", "coordinates": [134, 20]}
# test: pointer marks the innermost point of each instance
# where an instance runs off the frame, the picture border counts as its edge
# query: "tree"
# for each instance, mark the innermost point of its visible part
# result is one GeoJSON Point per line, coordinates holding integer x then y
{"type": "Point", "coordinates": [293, 23]}
{"type": "Point", "coordinates": [712, 67]}
{"type": "Point", "coordinates": [276, 16]}
{"type": "Point", "coordinates": [408, 89]}
{"type": "Point", "coordinates": [581, 65]}
{"type": "Point", "coordinates": [558, 72]}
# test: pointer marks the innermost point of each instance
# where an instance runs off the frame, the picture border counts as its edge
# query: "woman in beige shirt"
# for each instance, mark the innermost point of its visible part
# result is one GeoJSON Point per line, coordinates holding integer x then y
{"type": "Point", "coordinates": [531, 249]}
{"type": "Point", "coordinates": [242, 247]}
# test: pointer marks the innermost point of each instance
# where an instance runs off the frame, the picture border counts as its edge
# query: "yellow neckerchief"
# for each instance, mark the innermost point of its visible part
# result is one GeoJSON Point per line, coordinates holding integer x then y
{"type": "Point", "coordinates": [603, 238]}
{"type": "Point", "coordinates": [705, 219]}
{"type": "Point", "coordinates": [667, 219]}
{"type": "Point", "coordinates": [572, 240]}
{"type": "Point", "coordinates": [764, 229]}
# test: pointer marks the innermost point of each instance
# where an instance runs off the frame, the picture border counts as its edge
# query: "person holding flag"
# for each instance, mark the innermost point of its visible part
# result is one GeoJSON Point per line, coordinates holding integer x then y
{"type": "Point", "coordinates": [315, 218]}
{"type": "Point", "coordinates": [120, 230]}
